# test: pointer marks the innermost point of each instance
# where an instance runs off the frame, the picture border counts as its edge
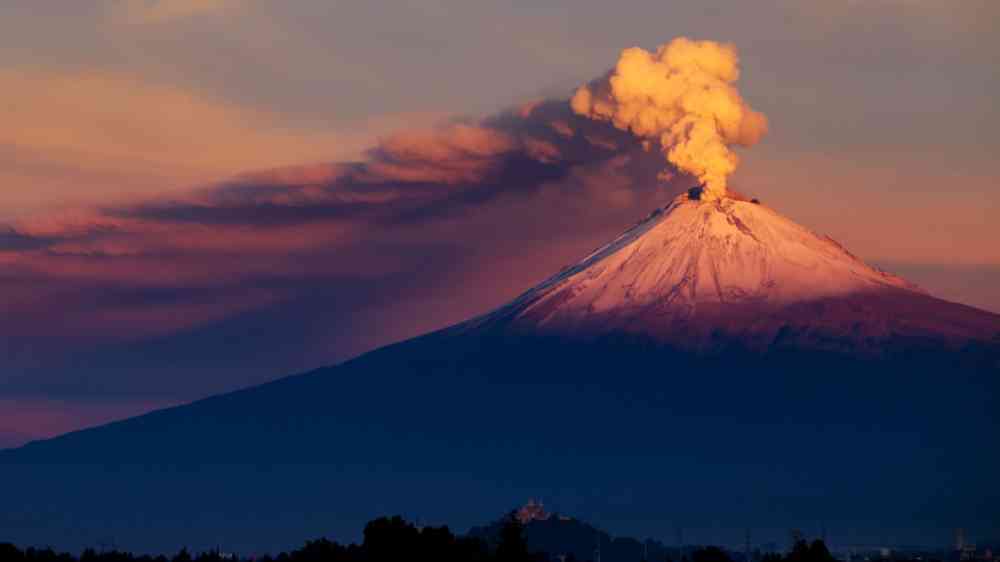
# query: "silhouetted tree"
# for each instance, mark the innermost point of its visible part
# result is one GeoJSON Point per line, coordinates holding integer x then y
{"type": "Point", "coordinates": [512, 546]}
{"type": "Point", "coordinates": [804, 551]}
{"type": "Point", "coordinates": [818, 552]}
{"type": "Point", "coordinates": [10, 552]}
{"type": "Point", "coordinates": [771, 557]}
{"type": "Point", "coordinates": [799, 552]}
{"type": "Point", "coordinates": [710, 554]}
{"type": "Point", "coordinates": [390, 539]}
{"type": "Point", "coordinates": [321, 550]}
{"type": "Point", "coordinates": [210, 556]}
{"type": "Point", "coordinates": [396, 540]}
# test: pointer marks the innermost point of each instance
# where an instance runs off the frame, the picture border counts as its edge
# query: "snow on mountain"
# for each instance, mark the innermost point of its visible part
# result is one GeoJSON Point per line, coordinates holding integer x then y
{"type": "Point", "coordinates": [700, 270]}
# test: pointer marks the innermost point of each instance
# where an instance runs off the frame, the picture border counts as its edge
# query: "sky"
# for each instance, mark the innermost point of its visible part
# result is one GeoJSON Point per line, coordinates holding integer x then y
{"type": "Point", "coordinates": [198, 196]}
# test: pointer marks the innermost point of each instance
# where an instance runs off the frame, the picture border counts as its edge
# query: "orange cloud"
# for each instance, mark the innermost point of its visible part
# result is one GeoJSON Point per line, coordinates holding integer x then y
{"type": "Point", "coordinates": [82, 137]}
{"type": "Point", "coordinates": [158, 11]}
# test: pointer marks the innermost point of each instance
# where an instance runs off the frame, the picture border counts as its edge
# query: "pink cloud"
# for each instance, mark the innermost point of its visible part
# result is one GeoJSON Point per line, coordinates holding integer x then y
{"type": "Point", "coordinates": [541, 150]}
{"type": "Point", "coordinates": [458, 153]}
{"type": "Point", "coordinates": [562, 128]}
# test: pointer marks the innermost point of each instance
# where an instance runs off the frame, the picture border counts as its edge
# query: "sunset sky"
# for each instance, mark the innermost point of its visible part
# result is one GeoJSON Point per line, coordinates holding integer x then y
{"type": "Point", "coordinates": [199, 196]}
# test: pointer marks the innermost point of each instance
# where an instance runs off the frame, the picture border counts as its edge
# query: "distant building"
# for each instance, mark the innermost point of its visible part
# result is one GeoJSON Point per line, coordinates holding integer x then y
{"type": "Point", "coordinates": [532, 511]}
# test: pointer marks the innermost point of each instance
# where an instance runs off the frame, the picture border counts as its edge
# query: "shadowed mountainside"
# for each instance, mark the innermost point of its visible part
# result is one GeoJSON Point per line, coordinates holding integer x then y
{"type": "Point", "coordinates": [868, 409]}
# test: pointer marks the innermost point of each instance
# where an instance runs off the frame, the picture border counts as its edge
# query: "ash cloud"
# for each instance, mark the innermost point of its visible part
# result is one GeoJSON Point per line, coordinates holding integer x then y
{"type": "Point", "coordinates": [430, 227]}
{"type": "Point", "coordinates": [683, 97]}
{"type": "Point", "coordinates": [416, 174]}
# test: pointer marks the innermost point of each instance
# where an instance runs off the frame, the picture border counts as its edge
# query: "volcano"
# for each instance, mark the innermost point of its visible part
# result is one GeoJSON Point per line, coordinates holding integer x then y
{"type": "Point", "coordinates": [731, 273]}
{"type": "Point", "coordinates": [716, 366]}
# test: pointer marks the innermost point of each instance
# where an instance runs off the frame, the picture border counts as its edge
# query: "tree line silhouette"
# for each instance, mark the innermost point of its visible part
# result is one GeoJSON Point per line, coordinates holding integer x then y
{"type": "Point", "coordinates": [396, 540]}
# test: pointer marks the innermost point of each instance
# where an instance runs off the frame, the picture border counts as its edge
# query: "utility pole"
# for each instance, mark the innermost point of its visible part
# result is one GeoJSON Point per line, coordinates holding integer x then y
{"type": "Point", "coordinates": [746, 545]}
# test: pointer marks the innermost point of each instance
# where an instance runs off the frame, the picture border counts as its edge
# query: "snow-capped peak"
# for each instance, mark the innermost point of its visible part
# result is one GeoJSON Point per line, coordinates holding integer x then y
{"type": "Point", "coordinates": [695, 254]}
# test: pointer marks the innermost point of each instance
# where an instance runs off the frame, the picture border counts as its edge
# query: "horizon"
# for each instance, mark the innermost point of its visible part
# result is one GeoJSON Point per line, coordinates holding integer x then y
{"type": "Point", "coordinates": [774, 540]}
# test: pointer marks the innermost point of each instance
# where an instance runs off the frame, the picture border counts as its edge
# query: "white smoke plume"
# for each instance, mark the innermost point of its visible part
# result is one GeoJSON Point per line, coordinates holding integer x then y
{"type": "Point", "coordinates": [682, 96]}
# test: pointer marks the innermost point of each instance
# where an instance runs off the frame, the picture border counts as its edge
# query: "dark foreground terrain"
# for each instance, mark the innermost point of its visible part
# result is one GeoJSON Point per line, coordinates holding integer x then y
{"type": "Point", "coordinates": [506, 540]}
{"type": "Point", "coordinates": [451, 427]}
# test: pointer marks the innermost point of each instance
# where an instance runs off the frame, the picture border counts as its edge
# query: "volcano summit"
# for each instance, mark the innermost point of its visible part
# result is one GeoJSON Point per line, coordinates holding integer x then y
{"type": "Point", "coordinates": [711, 275]}
{"type": "Point", "coordinates": [715, 365]}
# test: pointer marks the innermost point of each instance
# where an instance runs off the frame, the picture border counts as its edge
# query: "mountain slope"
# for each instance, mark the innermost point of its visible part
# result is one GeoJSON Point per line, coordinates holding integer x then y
{"type": "Point", "coordinates": [717, 252]}
{"type": "Point", "coordinates": [709, 275]}
{"type": "Point", "coordinates": [715, 365]}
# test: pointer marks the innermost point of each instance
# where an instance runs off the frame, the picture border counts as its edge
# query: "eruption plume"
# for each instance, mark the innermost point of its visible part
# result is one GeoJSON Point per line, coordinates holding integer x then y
{"type": "Point", "coordinates": [683, 97]}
